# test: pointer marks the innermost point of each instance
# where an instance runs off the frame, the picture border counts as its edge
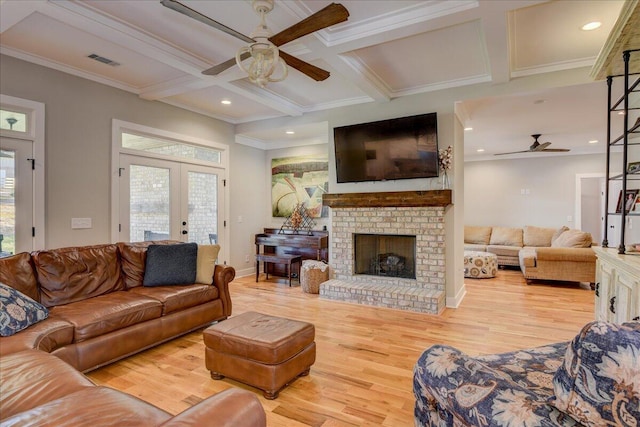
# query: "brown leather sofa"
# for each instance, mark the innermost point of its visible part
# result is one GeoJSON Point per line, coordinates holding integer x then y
{"type": "Point", "coordinates": [99, 312]}
{"type": "Point", "coordinates": [40, 389]}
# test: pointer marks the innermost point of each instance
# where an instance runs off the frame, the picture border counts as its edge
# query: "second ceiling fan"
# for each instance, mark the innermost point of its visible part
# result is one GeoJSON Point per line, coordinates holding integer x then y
{"type": "Point", "coordinates": [537, 147]}
{"type": "Point", "coordinates": [326, 17]}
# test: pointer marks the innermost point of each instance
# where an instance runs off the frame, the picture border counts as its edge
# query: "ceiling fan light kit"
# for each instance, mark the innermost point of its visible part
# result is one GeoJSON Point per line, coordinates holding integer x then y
{"type": "Point", "coordinates": [263, 46]}
{"type": "Point", "coordinates": [264, 54]}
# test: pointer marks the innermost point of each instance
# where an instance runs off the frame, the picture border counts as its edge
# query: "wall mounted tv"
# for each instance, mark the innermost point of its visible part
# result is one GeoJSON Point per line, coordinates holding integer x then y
{"type": "Point", "coordinates": [401, 148]}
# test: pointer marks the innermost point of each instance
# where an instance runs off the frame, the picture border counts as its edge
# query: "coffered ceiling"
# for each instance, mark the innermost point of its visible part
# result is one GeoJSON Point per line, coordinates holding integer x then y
{"type": "Point", "coordinates": [386, 49]}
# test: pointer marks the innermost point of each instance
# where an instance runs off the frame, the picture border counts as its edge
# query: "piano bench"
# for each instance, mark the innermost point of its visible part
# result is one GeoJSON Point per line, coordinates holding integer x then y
{"type": "Point", "coordinates": [289, 260]}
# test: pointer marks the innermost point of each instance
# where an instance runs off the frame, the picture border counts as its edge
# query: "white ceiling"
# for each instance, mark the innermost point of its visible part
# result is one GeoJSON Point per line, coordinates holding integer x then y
{"type": "Point", "coordinates": [386, 49]}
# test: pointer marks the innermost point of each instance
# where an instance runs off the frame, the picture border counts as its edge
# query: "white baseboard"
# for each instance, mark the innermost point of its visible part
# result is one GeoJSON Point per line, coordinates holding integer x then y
{"type": "Point", "coordinates": [454, 302]}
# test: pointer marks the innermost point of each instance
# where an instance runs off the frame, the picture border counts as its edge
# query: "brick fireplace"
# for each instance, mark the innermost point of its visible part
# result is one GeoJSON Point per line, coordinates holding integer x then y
{"type": "Point", "coordinates": [413, 214]}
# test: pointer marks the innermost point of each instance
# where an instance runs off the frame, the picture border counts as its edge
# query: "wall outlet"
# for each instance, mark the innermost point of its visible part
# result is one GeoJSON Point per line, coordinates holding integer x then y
{"type": "Point", "coordinates": [246, 258]}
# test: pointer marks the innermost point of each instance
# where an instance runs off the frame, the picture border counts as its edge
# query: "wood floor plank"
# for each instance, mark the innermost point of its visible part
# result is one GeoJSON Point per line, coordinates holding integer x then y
{"type": "Point", "coordinates": [365, 355]}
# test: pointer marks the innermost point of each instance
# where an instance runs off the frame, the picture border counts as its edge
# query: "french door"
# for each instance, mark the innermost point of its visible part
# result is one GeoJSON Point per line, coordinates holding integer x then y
{"type": "Point", "coordinates": [162, 199]}
{"type": "Point", "coordinates": [16, 196]}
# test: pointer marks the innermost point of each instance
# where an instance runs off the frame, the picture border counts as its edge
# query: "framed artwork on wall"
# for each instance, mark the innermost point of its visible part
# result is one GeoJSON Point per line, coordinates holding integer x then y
{"type": "Point", "coordinates": [633, 167]}
{"type": "Point", "coordinates": [302, 181]}
{"type": "Point", "coordinates": [628, 201]}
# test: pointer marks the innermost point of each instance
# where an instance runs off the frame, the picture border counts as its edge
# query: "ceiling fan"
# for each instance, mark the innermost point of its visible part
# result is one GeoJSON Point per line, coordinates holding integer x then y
{"type": "Point", "coordinates": [330, 15]}
{"type": "Point", "coordinates": [537, 147]}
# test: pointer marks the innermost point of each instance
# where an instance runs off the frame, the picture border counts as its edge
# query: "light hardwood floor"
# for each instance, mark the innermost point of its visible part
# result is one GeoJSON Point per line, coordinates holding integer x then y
{"type": "Point", "coordinates": [365, 355]}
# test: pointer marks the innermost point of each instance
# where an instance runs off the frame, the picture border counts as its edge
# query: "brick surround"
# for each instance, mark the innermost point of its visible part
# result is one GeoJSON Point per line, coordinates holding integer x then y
{"type": "Point", "coordinates": [424, 294]}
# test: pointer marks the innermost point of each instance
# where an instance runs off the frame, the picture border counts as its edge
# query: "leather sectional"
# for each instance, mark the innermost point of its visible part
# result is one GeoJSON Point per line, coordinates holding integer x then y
{"type": "Point", "coordinates": [100, 312]}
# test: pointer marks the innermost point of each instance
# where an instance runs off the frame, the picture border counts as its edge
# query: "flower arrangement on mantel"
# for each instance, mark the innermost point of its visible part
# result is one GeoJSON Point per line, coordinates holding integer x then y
{"type": "Point", "coordinates": [445, 158]}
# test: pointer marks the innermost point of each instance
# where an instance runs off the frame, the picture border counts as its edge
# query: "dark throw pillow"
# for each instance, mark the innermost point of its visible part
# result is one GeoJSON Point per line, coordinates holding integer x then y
{"type": "Point", "coordinates": [18, 311]}
{"type": "Point", "coordinates": [170, 264]}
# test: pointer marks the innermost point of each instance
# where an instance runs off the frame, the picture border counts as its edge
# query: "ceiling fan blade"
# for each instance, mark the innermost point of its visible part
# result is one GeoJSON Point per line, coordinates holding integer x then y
{"type": "Point", "coordinates": [185, 10]}
{"type": "Point", "coordinates": [317, 74]}
{"type": "Point", "coordinates": [330, 15]}
{"type": "Point", "coordinates": [217, 69]}
{"type": "Point", "coordinates": [513, 152]}
{"type": "Point", "coordinates": [557, 150]}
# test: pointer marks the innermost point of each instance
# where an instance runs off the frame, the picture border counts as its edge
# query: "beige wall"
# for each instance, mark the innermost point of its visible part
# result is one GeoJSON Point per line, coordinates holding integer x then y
{"type": "Point", "coordinates": [78, 117]}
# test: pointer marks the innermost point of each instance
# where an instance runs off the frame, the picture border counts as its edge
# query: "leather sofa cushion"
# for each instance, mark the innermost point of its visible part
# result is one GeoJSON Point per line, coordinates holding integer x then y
{"type": "Point", "coordinates": [175, 298]}
{"type": "Point", "coordinates": [32, 378]}
{"type": "Point", "coordinates": [477, 235]}
{"type": "Point", "coordinates": [106, 313]}
{"type": "Point", "coordinates": [17, 272]}
{"type": "Point", "coordinates": [505, 236]}
{"type": "Point", "coordinates": [133, 257]}
{"type": "Point", "coordinates": [48, 335]}
{"type": "Point", "coordinates": [537, 236]}
{"type": "Point", "coordinates": [91, 407]}
{"type": "Point", "coordinates": [512, 251]}
{"type": "Point", "coordinates": [73, 274]}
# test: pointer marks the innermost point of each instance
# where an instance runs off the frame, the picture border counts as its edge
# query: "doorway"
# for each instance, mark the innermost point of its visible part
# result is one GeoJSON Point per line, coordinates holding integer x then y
{"type": "Point", "coordinates": [162, 199]}
{"type": "Point", "coordinates": [16, 196]}
{"type": "Point", "coordinates": [590, 209]}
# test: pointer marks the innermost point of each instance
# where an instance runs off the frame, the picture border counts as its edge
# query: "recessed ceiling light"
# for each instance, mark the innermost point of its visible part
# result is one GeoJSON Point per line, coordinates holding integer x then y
{"type": "Point", "coordinates": [591, 26]}
{"type": "Point", "coordinates": [539, 101]}
{"type": "Point", "coordinates": [468, 128]}
{"type": "Point", "coordinates": [225, 102]}
{"type": "Point", "coordinates": [480, 150]}
{"type": "Point", "coordinates": [290, 132]}
{"type": "Point", "coordinates": [593, 141]}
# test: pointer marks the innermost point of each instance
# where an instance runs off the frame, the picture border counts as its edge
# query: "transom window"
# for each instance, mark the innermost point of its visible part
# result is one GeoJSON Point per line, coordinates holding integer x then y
{"type": "Point", "coordinates": [169, 148]}
{"type": "Point", "coordinates": [13, 120]}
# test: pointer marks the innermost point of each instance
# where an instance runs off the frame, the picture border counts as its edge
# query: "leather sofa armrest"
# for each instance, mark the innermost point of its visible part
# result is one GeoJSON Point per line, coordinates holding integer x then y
{"type": "Point", "coordinates": [222, 276]}
{"type": "Point", "coordinates": [566, 254]}
{"type": "Point", "coordinates": [230, 408]}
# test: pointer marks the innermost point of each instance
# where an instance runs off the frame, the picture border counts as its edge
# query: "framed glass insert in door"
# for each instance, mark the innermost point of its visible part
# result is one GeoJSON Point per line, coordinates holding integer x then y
{"type": "Point", "coordinates": [16, 196]}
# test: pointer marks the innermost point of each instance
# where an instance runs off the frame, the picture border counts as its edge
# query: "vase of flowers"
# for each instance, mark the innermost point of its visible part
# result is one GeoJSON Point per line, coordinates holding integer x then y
{"type": "Point", "coordinates": [445, 160]}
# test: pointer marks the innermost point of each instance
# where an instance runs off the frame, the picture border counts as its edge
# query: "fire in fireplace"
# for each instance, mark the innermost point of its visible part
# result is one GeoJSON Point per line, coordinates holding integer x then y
{"type": "Point", "coordinates": [385, 255]}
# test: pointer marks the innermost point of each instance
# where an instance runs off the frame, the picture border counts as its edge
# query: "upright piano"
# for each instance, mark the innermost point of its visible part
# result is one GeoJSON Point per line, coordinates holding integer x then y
{"type": "Point", "coordinates": [308, 246]}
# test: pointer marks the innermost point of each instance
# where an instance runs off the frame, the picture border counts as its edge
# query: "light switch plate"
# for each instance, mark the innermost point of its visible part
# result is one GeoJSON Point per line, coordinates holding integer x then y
{"type": "Point", "coordinates": [80, 222]}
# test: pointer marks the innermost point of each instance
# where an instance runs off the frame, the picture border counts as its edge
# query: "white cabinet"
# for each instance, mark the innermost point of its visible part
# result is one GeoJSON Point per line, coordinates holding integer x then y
{"type": "Point", "coordinates": [617, 286]}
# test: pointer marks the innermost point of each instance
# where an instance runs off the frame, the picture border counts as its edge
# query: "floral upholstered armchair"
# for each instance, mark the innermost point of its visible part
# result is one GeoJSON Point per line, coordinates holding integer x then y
{"type": "Point", "coordinates": [594, 381]}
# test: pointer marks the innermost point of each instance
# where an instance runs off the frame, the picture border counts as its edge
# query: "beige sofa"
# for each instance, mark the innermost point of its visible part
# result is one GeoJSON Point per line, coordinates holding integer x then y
{"type": "Point", "coordinates": [541, 253]}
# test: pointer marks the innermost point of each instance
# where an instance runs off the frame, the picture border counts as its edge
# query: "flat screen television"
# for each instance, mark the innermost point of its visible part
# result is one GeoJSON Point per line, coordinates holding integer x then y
{"type": "Point", "coordinates": [401, 148]}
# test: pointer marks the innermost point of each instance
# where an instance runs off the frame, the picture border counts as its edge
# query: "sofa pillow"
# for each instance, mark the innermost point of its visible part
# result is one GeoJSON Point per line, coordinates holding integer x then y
{"type": "Point", "coordinates": [477, 235]}
{"type": "Point", "coordinates": [206, 263]}
{"type": "Point", "coordinates": [598, 383]}
{"type": "Point", "coordinates": [558, 232]}
{"type": "Point", "coordinates": [537, 236]}
{"type": "Point", "coordinates": [170, 264]}
{"type": "Point", "coordinates": [573, 239]}
{"type": "Point", "coordinates": [504, 236]}
{"type": "Point", "coordinates": [18, 311]}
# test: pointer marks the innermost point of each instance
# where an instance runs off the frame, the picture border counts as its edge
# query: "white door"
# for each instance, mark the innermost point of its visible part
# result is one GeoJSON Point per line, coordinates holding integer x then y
{"type": "Point", "coordinates": [161, 199]}
{"type": "Point", "coordinates": [16, 196]}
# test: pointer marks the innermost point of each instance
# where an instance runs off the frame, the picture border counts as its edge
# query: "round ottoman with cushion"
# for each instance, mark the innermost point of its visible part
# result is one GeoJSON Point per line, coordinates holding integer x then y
{"type": "Point", "coordinates": [480, 265]}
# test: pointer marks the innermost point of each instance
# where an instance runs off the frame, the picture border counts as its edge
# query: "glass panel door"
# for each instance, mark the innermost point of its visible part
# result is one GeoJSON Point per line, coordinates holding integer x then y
{"type": "Point", "coordinates": [16, 196]}
{"type": "Point", "coordinates": [149, 197]}
{"type": "Point", "coordinates": [202, 204]}
{"type": "Point", "coordinates": [161, 199]}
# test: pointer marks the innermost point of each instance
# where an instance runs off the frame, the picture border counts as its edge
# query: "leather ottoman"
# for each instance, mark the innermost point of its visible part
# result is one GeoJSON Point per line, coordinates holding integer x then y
{"type": "Point", "coordinates": [263, 351]}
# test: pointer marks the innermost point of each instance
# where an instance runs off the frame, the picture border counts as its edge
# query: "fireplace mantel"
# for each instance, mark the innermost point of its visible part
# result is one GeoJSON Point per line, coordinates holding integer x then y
{"type": "Point", "coordinates": [388, 199]}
